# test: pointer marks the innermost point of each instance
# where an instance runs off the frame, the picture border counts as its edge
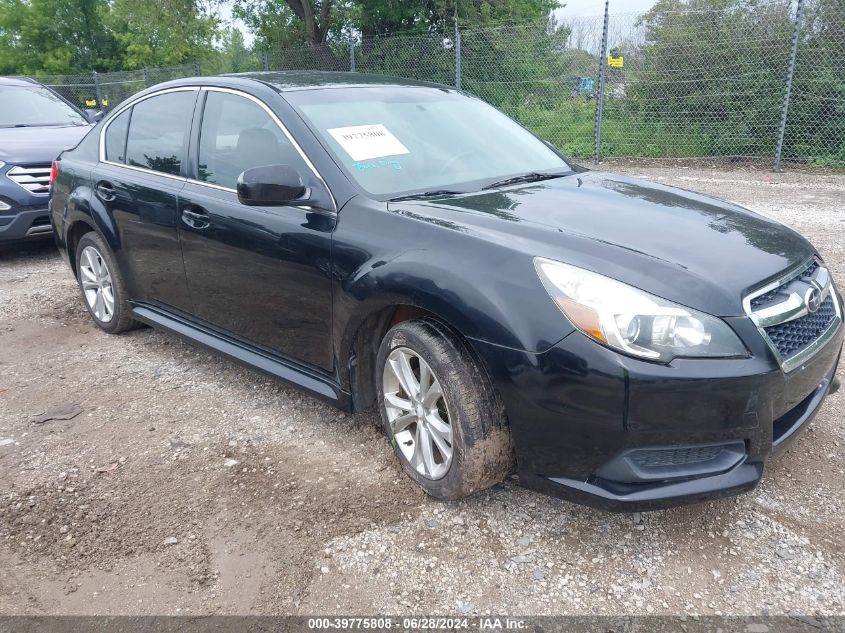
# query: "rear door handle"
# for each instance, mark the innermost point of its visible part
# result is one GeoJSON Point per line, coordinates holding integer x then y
{"type": "Point", "coordinates": [196, 217]}
{"type": "Point", "coordinates": [105, 191]}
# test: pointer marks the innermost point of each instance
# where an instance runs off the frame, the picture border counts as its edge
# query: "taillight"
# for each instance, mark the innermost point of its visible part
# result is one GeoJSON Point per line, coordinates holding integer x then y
{"type": "Point", "coordinates": [54, 172]}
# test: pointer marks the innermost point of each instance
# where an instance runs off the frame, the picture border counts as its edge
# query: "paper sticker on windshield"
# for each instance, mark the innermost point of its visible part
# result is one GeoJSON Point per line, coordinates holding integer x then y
{"type": "Point", "coordinates": [364, 142]}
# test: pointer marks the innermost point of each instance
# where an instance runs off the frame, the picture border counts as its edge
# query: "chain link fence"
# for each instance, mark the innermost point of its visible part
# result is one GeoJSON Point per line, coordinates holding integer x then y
{"type": "Point", "coordinates": [761, 82]}
{"type": "Point", "coordinates": [106, 90]}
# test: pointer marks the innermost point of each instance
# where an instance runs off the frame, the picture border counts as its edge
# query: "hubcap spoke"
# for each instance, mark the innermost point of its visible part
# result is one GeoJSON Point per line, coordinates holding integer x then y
{"type": "Point", "coordinates": [425, 378]}
{"type": "Point", "coordinates": [99, 309]}
{"type": "Point", "coordinates": [403, 422]}
{"type": "Point", "coordinates": [436, 423]}
{"type": "Point", "coordinates": [432, 395]}
{"type": "Point", "coordinates": [426, 449]}
{"type": "Point", "coordinates": [416, 459]}
{"type": "Point", "coordinates": [393, 400]}
{"type": "Point", "coordinates": [441, 435]}
{"type": "Point", "coordinates": [90, 259]}
{"type": "Point", "coordinates": [108, 298]}
{"type": "Point", "coordinates": [402, 368]}
{"type": "Point", "coordinates": [88, 273]}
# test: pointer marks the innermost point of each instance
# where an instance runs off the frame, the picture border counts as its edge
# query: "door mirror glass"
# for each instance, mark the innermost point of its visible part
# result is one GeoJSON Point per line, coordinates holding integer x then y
{"type": "Point", "coordinates": [270, 185]}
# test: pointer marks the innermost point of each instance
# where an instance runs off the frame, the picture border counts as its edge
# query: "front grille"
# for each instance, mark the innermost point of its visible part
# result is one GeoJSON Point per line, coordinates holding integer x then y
{"type": "Point", "coordinates": [34, 179]}
{"type": "Point", "coordinates": [783, 315]}
{"type": "Point", "coordinates": [793, 336]}
{"type": "Point", "coordinates": [658, 458]}
{"type": "Point", "coordinates": [764, 300]}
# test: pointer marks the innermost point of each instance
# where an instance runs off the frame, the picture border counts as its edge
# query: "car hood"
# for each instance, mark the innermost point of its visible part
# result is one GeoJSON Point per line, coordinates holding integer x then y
{"type": "Point", "coordinates": [23, 145]}
{"type": "Point", "coordinates": [686, 247]}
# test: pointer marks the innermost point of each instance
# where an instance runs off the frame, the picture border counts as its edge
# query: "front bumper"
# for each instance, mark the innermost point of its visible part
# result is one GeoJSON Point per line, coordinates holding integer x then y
{"type": "Point", "coordinates": [31, 223]}
{"type": "Point", "coordinates": [575, 409]}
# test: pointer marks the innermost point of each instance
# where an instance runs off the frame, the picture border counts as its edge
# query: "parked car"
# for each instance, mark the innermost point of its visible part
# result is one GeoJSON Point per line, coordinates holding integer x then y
{"type": "Point", "coordinates": [384, 242]}
{"type": "Point", "coordinates": [36, 124]}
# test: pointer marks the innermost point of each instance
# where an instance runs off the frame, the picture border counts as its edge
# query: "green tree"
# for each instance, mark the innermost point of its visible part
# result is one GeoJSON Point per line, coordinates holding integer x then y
{"type": "Point", "coordinates": [55, 36]}
{"type": "Point", "coordinates": [163, 32]}
{"type": "Point", "coordinates": [290, 23]}
{"type": "Point", "coordinates": [382, 17]}
{"type": "Point", "coordinates": [710, 75]}
{"type": "Point", "coordinates": [234, 55]}
{"type": "Point", "coordinates": [816, 125]}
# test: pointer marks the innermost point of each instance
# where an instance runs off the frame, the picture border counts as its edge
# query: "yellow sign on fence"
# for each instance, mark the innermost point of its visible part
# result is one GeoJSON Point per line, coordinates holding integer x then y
{"type": "Point", "coordinates": [92, 103]}
{"type": "Point", "coordinates": [616, 62]}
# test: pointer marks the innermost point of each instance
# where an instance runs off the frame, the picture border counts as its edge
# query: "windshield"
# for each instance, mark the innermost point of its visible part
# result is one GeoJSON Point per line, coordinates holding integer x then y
{"type": "Point", "coordinates": [29, 106]}
{"type": "Point", "coordinates": [400, 140]}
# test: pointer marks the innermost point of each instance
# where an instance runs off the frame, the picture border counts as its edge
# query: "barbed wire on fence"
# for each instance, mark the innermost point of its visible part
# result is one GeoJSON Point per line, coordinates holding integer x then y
{"type": "Point", "coordinates": [684, 83]}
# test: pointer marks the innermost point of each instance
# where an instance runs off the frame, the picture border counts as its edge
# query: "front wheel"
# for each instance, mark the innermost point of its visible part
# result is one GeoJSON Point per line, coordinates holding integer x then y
{"type": "Point", "coordinates": [446, 423]}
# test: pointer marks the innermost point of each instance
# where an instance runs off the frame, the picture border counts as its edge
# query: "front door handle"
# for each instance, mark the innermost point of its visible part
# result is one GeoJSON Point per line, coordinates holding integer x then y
{"type": "Point", "coordinates": [105, 191]}
{"type": "Point", "coordinates": [196, 217]}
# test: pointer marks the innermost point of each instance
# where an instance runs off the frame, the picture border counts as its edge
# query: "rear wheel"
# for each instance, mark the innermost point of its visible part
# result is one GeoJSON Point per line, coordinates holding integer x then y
{"type": "Point", "coordinates": [101, 285]}
{"type": "Point", "coordinates": [446, 423]}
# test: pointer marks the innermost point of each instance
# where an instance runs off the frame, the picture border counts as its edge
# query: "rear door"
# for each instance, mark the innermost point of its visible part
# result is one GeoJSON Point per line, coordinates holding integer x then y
{"type": "Point", "coordinates": [261, 274]}
{"type": "Point", "coordinates": [142, 171]}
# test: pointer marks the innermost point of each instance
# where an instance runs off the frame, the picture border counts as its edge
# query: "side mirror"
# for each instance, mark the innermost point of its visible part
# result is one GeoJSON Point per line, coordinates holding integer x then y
{"type": "Point", "coordinates": [270, 185]}
{"type": "Point", "coordinates": [93, 115]}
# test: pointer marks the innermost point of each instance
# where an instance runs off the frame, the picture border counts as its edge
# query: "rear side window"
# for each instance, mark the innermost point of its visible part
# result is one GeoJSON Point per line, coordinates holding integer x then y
{"type": "Point", "coordinates": [159, 130]}
{"type": "Point", "coordinates": [238, 134]}
{"type": "Point", "coordinates": [116, 138]}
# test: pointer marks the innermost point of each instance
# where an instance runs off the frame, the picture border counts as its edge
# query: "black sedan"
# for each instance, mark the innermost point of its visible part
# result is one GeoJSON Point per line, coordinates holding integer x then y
{"type": "Point", "coordinates": [398, 244]}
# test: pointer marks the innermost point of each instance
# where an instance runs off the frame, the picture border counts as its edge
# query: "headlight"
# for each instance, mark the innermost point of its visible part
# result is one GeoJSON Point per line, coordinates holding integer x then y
{"type": "Point", "coordinates": [632, 321]}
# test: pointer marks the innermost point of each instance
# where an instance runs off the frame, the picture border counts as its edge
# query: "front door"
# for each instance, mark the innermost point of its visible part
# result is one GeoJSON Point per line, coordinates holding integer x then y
{"type": "Point", "coordinates": [261, 274]}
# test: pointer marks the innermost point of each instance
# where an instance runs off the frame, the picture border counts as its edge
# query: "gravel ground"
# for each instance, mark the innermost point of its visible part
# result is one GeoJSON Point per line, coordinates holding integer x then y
{"type": "Point", "coordinates": [183, 484]}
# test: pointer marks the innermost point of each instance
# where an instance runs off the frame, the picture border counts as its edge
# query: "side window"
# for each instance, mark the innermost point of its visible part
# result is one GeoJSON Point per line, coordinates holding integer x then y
{"type": "Point", "coordinates": [158, 131]}
{"type": "Point", "coordinates": [116, 138]}
{"type": "Point", "coordinates": [237, 134]}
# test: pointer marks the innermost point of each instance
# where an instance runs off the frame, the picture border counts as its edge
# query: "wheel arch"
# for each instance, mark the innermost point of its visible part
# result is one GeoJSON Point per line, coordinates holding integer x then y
{"type": "Point", "coordinates": [74, 233]}
{"type": "Point", "coordinates": [82, 219]}
{"type": "Point", "coordinates": [363, 344]}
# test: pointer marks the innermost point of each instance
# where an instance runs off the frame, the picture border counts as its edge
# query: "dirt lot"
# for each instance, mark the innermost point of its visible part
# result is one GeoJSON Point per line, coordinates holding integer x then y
{"type": "Point", "coordinates": [183, 483]}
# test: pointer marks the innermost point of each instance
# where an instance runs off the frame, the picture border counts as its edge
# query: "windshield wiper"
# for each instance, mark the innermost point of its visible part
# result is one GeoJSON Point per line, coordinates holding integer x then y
{"type": "Point", "coordinates": [532, 176]}
{"type": "Point", "coordinates": [427, 194]}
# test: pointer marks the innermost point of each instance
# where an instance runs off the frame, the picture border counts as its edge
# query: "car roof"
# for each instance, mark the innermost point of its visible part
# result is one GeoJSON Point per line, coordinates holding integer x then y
{"type": "Point", "coordinates": [286, 81]}
{"type": "Point", "coordinates": [18, 81]}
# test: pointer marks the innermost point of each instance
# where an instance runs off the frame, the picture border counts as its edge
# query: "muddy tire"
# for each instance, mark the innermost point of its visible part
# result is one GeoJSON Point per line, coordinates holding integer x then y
{"type": "Point", "coordinates": [445, 420]}
{"type": "Point", "coordinates": [101, 285]}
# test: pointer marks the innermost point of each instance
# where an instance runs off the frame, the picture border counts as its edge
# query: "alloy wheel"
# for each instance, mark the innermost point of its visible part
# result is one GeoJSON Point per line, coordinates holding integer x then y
{"type": "Point", "coordinates": [96, 283]}
{"type": "Point", "coordinates": [417, 412]}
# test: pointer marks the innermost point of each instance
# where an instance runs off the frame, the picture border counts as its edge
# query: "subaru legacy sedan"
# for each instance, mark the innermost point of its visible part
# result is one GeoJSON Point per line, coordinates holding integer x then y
{"type": "Point", "coordinates": [399, 245]}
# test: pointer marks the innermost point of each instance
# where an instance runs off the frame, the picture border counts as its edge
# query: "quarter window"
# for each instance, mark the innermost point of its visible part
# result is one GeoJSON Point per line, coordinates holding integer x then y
{"type": "Point", "coordinates": [237, 134]}
{"type": "Point", "coordinates": [116, 137]}
{"type": "Point", "coordinates": [158, 131]}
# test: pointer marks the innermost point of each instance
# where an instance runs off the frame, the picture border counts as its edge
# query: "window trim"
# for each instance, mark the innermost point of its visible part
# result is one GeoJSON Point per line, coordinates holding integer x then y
{"type": "Point", "coordinates": [278, 123]}
{"type": "Point", "coordinates": [199, 89]}
{"type": "Point", "coordinates": [118, 112]}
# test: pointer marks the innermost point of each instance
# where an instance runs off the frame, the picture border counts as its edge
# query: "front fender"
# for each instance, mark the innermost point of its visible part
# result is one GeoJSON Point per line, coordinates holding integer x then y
{"type": "Point", "coordinates": [495, 298]}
